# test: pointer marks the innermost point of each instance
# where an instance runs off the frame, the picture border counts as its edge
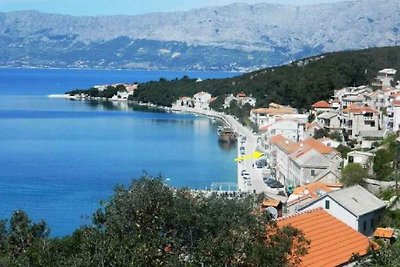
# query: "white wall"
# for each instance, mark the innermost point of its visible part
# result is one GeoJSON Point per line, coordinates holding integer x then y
{"type": "Point", "coordinates": [337, 211]}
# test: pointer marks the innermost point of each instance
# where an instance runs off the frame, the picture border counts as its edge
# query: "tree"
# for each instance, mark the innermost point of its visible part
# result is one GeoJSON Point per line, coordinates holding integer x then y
{"type": "Point", "coordinates": [151, 224]}
{"type": "Point", "coordinates": [353, 174]}
{"type": "Point", "coordinates": [320, 133]}
{"type": "Point", "coordinates": [383, 166]}
{"type": "Point", "coordinates": [336, 135]}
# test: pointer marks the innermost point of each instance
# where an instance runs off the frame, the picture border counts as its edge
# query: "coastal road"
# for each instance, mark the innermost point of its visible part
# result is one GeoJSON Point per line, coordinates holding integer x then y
{"type": "Point", "coordinates": [256, 183]}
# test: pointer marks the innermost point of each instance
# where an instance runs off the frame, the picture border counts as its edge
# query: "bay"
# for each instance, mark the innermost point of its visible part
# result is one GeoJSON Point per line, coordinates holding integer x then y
{"type": "Point", "coordinates": [59, 158]}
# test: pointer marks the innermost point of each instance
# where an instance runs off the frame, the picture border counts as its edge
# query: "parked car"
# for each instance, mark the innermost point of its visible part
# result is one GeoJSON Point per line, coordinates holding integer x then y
{"type": "Point", "coordinates": [245, 174]}
{"type": "Point", "coordinates": [269, 180]}
{"type": "Point", "coordinates": [276, 184]}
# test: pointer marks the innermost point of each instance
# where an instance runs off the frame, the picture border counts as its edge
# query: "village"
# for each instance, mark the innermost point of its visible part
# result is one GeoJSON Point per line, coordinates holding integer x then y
{"type": "Point", "coordinates": [306, 160]}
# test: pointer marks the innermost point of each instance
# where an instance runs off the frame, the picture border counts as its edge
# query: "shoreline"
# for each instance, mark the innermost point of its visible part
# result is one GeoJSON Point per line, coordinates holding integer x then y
{"type": "Point", "coordinates": [256, 183]}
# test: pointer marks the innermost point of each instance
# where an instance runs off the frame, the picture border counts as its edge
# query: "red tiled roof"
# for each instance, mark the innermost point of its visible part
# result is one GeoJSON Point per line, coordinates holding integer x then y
{"type": "Point", "coordinates": [312, 189]}
{"type": "Point", "coordinates": [359, 109]}
{"type": "Point", "coordinates": [321, 104]}
{"type": "Point", "coordinates": [396, 103]}
{"type": "Point", "coordinates": [332, 242]}
{"type": "Point", "coordinates": [318, 145]}
{"type": "Point", "coordinates": [384, 232]}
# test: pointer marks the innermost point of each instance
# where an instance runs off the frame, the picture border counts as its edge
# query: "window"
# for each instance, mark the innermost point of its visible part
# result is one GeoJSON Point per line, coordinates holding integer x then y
{"type": "Point", "coordinates": [327, 204]}
{"type": "Point", "coordinates": [312, 172]}
{"type": "Point", "coordinates": [372, 223]}
{"type": "Point", "coordinates": [351, 159]}
{"type": "Point", "coordinates": [364, 226]}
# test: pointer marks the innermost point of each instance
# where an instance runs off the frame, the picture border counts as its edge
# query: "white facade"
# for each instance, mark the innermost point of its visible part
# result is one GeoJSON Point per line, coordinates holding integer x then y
{"type": "Point", "coordinates": [290, 129]}
{"type": "Point", "coordinates": [365, 159]}
{"type": "Point", "coordinates": [354, 206]}
{"type": "Point", "coordinates": [202, 100]}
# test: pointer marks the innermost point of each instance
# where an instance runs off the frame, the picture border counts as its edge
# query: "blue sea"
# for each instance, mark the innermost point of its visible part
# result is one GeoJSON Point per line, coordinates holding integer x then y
{"type": "Point", "coordinates": [60, 158]}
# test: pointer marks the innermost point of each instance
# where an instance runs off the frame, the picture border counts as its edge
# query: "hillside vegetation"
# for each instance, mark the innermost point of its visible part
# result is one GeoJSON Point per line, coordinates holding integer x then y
{"type": "Point", "coordinates": [151, 224]}
{"type": "Point", "coordinates": [298, 84]}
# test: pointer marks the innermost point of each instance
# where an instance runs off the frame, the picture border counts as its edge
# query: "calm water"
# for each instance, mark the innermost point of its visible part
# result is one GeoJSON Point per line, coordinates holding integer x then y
{"type": "Point", "coordinates": [59, 158]}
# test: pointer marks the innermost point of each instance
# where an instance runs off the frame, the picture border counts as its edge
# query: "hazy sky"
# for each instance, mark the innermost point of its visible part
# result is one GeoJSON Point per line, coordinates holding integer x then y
{"type": "Point", "coordinates": [131, 7]}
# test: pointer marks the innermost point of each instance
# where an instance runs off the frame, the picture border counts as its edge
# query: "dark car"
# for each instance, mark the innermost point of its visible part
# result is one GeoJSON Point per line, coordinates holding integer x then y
{"type": "Point", "coordinates": [276, 184]}
{"type": "Point", "coordinates": [269, 180]}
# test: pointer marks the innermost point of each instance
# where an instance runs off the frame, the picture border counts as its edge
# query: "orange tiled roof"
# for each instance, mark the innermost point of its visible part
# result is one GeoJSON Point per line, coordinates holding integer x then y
{"type": "Point", "coordinates": [270, 203]}
{"type": "Point", "coordinates": [312, 189]}
{"type": "Point", "coordinates": [384, 232]}
{"type": "Point", "coordinates": [321, 104]}
{"type": "Point", "coordinates": [359, 109]}
{"type": "Point", "coordinates": [241, 95]}
{"type": "Point", "coordinates": [276, 139]}
{"type": "Point", "coordinates": [396, 102]}
{"type": "Point", "coordinates": [319, 146]}
{"type": "Point", "coordinates": [332, 242]}
{"type": "Point", "coordinates": [287, 145]}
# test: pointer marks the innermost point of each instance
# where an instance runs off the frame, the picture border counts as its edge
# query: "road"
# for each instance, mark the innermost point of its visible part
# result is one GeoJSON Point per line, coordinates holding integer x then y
{"type": "Point", "coordinates": [256, 178]}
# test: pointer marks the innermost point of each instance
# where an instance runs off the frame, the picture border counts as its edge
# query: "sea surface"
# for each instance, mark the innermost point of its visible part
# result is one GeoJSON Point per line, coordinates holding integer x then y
{"type": "Point", "coordinates": [60, 158]}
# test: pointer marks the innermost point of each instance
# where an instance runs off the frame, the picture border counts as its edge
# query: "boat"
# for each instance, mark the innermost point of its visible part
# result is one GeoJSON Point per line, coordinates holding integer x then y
{"type": "Point", "coordinates": [226, 134]}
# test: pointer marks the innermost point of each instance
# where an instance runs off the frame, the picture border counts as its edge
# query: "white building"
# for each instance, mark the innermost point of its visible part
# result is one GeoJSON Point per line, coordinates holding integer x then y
{"type": "Point", "coordinates": [262, 116]}
{"type": "Point", "coordinates": [354, 206]}
{"type": "Point", "coordinates": [365, 159]}
{"type": "Point", "coordinates": [359, 118]}
{"type": "Point", "coordinates": [202, 100]}
{"type": "Point", "coordinates": [290, 129]}
{"type": "Point", "coordinates": [384, 78]}
{"type": "Point", "coordinates": [330, 121]}
{"type": "Point", "coordinates": [229, 99]}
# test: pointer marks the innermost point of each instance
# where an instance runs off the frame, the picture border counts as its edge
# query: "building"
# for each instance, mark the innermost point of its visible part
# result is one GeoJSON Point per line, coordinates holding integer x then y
{"type": "Point", "coordinates": [365, 159]}
{"type": "Point", "coordinates": [321, 107]}
{"type": "Point", "coordinates": [354, 206]}
{"type": "Point", "coordinates": [243, 100]}
{"type": "Point", "coordinates": [332, 242]}
{"type": "Point", "coordinates": [299, 163]}
{"type": "Point", "coordinates": [262, 116]}
{"type": "Point", "coordinates": [229, 99]}
{"type": "Point", "coordinates": [185, 101]}
{"type": "Point", "coordinates": [202, 100]}
{"type": "Point", "coordinates": [329, 142]}
{"type": "Point", "coordinates": [330, 121]}
{"type": "Point", "coordinates": [303, 195]}
{"type": "Point", "coordinates": [310, 161]}
{"type": "Point", "coordinates": [290, 129]}
{"type": "Point", "coordinates": [359, 118]}
{"type": "Point", "coordinates": [384, 78]}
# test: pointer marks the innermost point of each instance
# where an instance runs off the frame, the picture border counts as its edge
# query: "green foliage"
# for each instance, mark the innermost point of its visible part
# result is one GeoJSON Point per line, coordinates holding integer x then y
{"type": "Point", "coordinates": [311, 117]}
{"type": "Point", "coordinates": [320, 133]}
{"type": "Point", "coordinates": [385, 257]}
{"type": "Point", "coordinates": [109, 92]}
{"type": "Point", "coordinates": [297, 84]}
{"type": "Point", "coordinates": [353, 174]}
{"type": "Point", "coordinates": [336, 135]}
{"type": "Point", "coordinates": [344, 150]}
{"type": "Point", "coordinates": [151, 224]}
{"type": "Point", "coordinates": [383, 166]}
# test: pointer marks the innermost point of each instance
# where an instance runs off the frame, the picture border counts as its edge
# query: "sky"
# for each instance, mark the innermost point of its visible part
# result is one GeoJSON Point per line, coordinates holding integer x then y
{"type": "Point", "coordinates": [128, 7]}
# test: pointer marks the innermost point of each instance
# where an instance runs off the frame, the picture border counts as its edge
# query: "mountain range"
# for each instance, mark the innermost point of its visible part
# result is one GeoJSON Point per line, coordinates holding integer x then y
{"type": "Point", "coordinates": [237, 37]}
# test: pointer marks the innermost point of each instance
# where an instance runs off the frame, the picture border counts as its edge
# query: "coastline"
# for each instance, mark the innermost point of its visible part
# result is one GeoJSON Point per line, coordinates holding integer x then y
{"type": "Point", "coordinates": [256, 183]}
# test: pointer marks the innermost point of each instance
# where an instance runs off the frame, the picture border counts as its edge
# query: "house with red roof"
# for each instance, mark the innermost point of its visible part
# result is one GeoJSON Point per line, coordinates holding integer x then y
{"type": "Point", "coordinates": [332, 242]}
{"type": "Point", "coordinates": [357, 118]}
{"type": "Point", "coordinates": [320, 107]}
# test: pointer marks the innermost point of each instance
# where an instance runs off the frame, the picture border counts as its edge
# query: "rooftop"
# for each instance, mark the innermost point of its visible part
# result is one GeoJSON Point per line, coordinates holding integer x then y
{"type": "Point", "coordinates": [332, 242]}
{"type": "Point", "coordinates": [357, 200]}
{"type": "Point", "coordinates": [321, 104]}
{"type": "Point", "coordinates": [384, 233]}
{"type": "Point", "coordinates": [359, 109]}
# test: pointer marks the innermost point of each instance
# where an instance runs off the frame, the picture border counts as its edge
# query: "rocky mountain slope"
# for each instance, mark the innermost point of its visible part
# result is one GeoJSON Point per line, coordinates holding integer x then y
{"type": "Point", "coordinates": [233, 37]}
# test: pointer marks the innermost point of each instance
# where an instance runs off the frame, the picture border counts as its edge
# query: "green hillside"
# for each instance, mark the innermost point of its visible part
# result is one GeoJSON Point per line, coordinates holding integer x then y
{"type": "Point", "coordinates": [298, 84]}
